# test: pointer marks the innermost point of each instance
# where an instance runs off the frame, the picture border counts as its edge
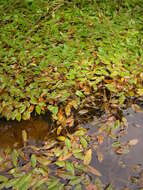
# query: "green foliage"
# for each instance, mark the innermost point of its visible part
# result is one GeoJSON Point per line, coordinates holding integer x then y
{"type": "Point", "coordinates": [55, 51]}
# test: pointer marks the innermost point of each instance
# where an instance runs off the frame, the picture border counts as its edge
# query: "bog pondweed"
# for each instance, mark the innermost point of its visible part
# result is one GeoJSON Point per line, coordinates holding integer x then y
{"type": "Point", "coordinates": [59, 56]}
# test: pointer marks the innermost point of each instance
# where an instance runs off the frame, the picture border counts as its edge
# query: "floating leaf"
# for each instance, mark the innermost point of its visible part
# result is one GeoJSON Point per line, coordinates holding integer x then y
{"type": "Point", "coordinates": [133, 142]}
{"type": "Point", "coordinates": [70, 167]}
{"type": "Point", "coordinates": [54, 110]}
{"type": "Point", "coordinates": [61, 138]}
{"type": "Point", "coordinates": [93, 170]}
{"type": "Point", "coordinates": [33, 160]}
{"type": "Point", "coordinates": [68, 110]}
{"type": "Point", "coordinates": [140, 91]}
{"type": "Point", "coordinates": [68, 143]}
{"type": "Point", "coordinates": [79, 93]}
{"type": "Point", "coordinates": [60, 163]}
{"type": "Point", "coordinates": [24, 137]}
{"type": "Point", "coordinates": [38, 110]}
{"type": "Point", "coordinates": [15, 157]}
{"type": "Point", "coordinates": [23, 182]}
{"type": "Point", "coordinates": [18, 116]}
{"type": "Point", "coordinates": [83, 142]}
{"type": "Point", "coordinates": [88, 157]}
{"type": "Point", "coordinates": [3, 178]}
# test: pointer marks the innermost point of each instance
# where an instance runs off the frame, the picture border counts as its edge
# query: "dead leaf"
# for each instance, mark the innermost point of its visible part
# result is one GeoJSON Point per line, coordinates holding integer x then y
{"type": "Point", "coordinates": [70, 121]}
{"type": "Point", "coordinates": [31, 108]}
{"type": "Point", "coordinates": [99, 156]}
{"type": "Point", "coordinates": [100, 139]}
{"type": "Point", "coordinates": [82, 112]}
{"type": "Point", "coordinates": [94, 171]}
{"type": "Point", "coordinates": [24, 137]}
{"type": "Point", "coordinates": [88, 157]}
{"type": "Point", "coordinates": [60, 116]}
{"type": "Point", "coordinates": [133, 142]}
{"type": "Point", "coordinates": [137, 108]}
{"type": "Point", "coordinates": [91, 187]}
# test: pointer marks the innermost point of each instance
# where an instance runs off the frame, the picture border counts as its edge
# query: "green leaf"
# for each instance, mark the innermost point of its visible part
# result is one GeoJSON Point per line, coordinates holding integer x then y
{"type": "Point", "coordinates": [38, 110]}
{"type": "Point", "coordinates": [80, 94]}
{"type": "Point", "coordinates": [54, 110]}
{"type": "Point", "coordinates": [68, 143]}
{"type": "Point", "coordinates": [33, 160]}
{"type": "Point", "coordinates": [18, 116]}
{"type": "Point", "coordinates": [111, 87]}
{"type": "Point", "coordinates": [83, 142]}
{"type": "Point", "coordinates": [26, 115]}
{"type": "Point", "coordinates": [15, 157]}
{"type": "Point", "coordinates": [3, 178]}
{"type": "Point", "coordinates": [70, 167]}
{"type": "Point", "coordinates": [23, 182]}
{"type": "Point", "coordinates": [60, 163]}
{"type": "Point", "coordinates": [140, 91]}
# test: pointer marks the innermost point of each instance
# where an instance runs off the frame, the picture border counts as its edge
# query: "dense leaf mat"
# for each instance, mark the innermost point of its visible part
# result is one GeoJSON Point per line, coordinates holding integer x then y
{"type": "Point", "coordinates": [62, 55]}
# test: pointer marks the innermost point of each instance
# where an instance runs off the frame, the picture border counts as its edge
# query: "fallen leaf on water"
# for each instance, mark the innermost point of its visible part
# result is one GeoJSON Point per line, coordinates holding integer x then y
{"type": "Point", "coordinates": [91, 187]}
{"type": "Point", "coordinates": [133, 142]}
{"type": "Point", "coordinates": [24, 137]}
{"type": "Point", "coordinates": [94, 171]}
{"type": "Point", "coordinates": [61, 138]}
{"type": "Point", "coordinates": [99, 156]}
{"type": "Point", "coordinates": [100, 139]}
{"type": "Point", "coordinates": [88, 157]}
{"type": "Point", "coordinates": [137, 108]}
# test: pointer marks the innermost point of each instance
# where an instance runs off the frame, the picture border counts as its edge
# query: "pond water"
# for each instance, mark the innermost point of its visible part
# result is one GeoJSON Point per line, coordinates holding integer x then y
{"type": "Point", "coordinates": [122, 169]}
{"type": "Point", "coordinates": [37, 129]}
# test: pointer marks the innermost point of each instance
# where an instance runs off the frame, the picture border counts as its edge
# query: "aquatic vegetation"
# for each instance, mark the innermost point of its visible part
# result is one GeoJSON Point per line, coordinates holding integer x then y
{"type": "Point", "coordinates": [60, 56]}
{"type": "Point", "coordinates": [67, 58]}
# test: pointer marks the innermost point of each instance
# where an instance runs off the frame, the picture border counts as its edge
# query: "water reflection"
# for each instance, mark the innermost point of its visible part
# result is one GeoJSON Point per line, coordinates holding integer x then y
{"type": "Point", "coordinates": [11, 131]}
{"type": "Point", "coordinates": [120, 169]}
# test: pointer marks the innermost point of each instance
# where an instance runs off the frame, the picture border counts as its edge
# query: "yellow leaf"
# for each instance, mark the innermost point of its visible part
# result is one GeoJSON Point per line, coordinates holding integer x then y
{"type": "Point", "coordinates": [88, 157]}
{"type": "Point", "coordinates": [24, 137]}
{"type": "Point", "coordinates": [68, 110]}
{"type": "Point", "coordinates": [59, 130]}
{"type": "Point", "coordinates": [61, 138]}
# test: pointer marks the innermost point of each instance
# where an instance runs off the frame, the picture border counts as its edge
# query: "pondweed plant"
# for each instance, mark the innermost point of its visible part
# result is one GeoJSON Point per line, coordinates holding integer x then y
{"type": "Point", "coordinates": [61, 55]}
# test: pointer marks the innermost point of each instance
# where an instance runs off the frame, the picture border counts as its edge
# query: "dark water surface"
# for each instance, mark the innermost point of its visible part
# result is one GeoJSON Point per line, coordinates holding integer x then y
{"type": "Point", "coordinates": [122, 170]}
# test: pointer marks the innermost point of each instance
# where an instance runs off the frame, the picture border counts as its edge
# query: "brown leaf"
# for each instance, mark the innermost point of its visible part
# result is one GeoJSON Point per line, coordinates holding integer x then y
{"type": "Point", "coordinates": [60, 116]}
{"type": "Point", "coordinates": [93, 171]}
{"type": "Point", "coordinates": [99, 156]}
{"type": "Point", "coordinates": [70, 121]}
{"type": "Point", "coordinates": [31, 108]}
{"type": "Point", "coordinates": [133, 142]}
{"type": "Point", "coordinates": [91, 187]}
{"type": "Point", "coordinates": [100, 139]}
